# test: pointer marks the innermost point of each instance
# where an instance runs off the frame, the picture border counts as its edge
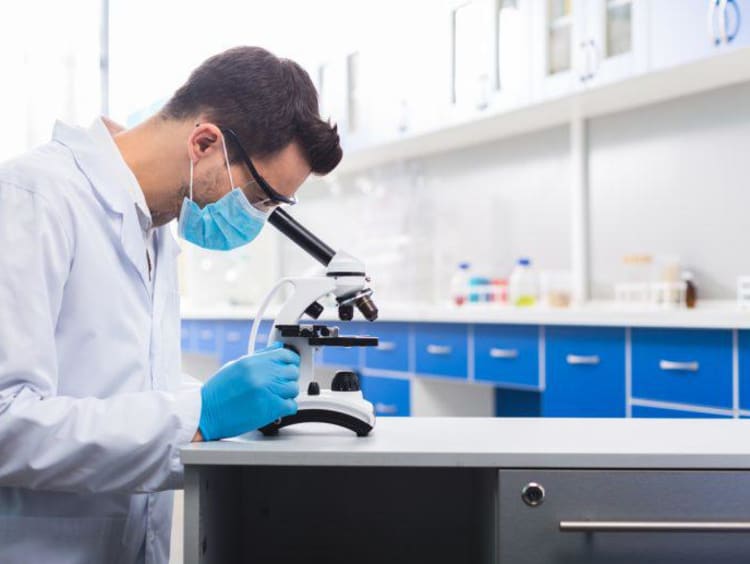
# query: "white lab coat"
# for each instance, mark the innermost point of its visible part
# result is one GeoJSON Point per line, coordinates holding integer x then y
{"type": "Point", "coordinates": [93, 408]}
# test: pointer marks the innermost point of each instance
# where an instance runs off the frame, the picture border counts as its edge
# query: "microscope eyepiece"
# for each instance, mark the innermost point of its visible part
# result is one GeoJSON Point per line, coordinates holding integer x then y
{"type": "Point", "coordinates": [367, 307]}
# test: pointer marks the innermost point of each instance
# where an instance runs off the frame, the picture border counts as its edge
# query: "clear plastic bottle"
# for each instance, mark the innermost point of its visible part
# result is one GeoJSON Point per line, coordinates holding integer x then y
{"type": "Point", "coordinates": [523, 286]}
{"type": "Point", "coordinates": [460, 284]}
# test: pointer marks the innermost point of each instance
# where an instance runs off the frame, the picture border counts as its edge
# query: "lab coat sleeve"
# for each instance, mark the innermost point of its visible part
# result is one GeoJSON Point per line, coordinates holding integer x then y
{"type": "Point", "coordinates": [129, 442]}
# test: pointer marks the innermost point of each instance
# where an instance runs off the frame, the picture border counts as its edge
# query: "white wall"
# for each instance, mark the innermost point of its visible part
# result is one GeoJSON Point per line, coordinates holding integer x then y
{"type": "Point", "coordinates": [414, 222]}
{"type": "Point", "coordinates": [673, 179]}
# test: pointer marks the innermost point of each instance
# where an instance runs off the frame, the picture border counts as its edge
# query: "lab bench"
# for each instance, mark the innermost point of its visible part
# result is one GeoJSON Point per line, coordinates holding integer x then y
{"type": "Point", "coordinates": [475, 490]}
{"type": "Point", "coordinates": [536, 369]}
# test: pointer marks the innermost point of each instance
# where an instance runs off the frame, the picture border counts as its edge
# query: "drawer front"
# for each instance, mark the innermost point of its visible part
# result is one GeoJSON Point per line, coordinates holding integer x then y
{"type": "Point", "coordinates": [392, 352]}
{"type": "Point", "coordinates": [683, 366]}
{"type": "Point", "coordinates": [206, 336]}
{"type": "Point", "coordinates": [348, 357]}
{"type": "Point", "coordinates": [573, 500]}
{"type": "Point", "coordinates": [744, 350]}
{"type": "Point", "coordinates": [390, 396]}
{"type": "Point", "coordinates": [643, 411]}
{"type": "Point", "coordinates": [507, 354]}
{"type": "Point", "coordinates": [186, 335]}
{"type": "Point", "coordinates": [441, 349]}
{"type": "Point", "coordinates": [585, 374]}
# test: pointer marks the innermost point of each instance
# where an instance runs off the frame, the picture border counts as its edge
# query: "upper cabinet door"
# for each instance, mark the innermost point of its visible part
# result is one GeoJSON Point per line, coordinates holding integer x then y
{"type": "Point", "coordinates": [616, 43]}
{"type": "Point", "coordinates": [687, 30]}
{"type": "Point", "coordinates": [489, 56]}
{"type": "Point", "coordinates": [559, 61]}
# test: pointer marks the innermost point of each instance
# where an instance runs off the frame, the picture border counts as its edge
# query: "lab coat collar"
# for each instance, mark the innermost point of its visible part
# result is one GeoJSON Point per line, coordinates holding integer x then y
{"type": "Point", "coordinates": [99, 159]}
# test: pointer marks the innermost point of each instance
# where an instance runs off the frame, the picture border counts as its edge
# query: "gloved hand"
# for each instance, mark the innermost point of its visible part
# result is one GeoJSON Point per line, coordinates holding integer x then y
{"type": "Point", "coordinates": [249, 393]}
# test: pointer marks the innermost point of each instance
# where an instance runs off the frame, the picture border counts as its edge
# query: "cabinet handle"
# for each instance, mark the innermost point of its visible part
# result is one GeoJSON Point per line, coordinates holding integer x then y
{"type": "Point", "coordinates": [726, 35]}
{"type": "Point", "coordinates": [672, 366]}
{"type": "Point", "coordinates": [386, 346]}
{"type": "Point", "coordinates": [441, 350]}
{"type": "Point", "coordinates": [574, 360]}
{"type": "Point", "coordinates": [386, 408]}
{"type": "Point", "coordinates": [206, 334]}
{"type": "Point", "coordinates": [654, 526]}
{"type": "Point", "coordinates": [592, 63]}
{"type": "Point", "coordinates": [720, 36]}
{"type": "Point", "coordinates": [233, 336]}
{"type": "Point", "coordinates": [504, 353]}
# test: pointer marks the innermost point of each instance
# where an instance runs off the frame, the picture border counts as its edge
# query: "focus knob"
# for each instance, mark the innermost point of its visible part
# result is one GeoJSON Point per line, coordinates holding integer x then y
{"type": "Point", "coordinates": [345, 381]}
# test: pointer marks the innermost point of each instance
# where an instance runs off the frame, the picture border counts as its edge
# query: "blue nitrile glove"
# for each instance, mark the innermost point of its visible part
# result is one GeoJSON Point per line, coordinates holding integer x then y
{"type": "Point", "coordinates": [249, 393]}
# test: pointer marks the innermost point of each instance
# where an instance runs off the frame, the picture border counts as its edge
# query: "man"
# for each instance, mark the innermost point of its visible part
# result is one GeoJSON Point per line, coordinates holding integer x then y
{"type": "Point", "coordinates": [93, 408]}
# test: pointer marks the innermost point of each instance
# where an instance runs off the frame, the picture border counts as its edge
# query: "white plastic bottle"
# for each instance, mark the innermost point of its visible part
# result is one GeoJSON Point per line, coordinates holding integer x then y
{"type": "Point", "coordinates": [460, 284]}
{"type": "Point", "coordinates": [523, 286]}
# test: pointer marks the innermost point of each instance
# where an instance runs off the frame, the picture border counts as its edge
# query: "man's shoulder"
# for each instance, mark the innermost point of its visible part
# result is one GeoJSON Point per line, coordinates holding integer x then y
{"type": "Point", "coordinates": [45, 170]}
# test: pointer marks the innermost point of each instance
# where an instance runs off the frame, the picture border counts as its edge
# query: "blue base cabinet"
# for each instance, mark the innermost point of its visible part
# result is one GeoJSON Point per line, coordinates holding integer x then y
{"type": "Point", "coordinates": [689, 366]}
{"type": "Point", "coordinates": [585, 374]}
{"type": "Point", "coordinates": [442, 349]}
{"type": "Point", "coordinates": [642, 411]}
{"type": "Point", "coordinates": [390, 396]}
{"type": "Point", "coordinates": [507, 355]}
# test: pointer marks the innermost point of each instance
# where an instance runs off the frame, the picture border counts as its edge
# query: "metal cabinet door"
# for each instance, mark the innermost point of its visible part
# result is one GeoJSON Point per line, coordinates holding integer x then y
{"type": "Point", "coordinates": [640, 504]}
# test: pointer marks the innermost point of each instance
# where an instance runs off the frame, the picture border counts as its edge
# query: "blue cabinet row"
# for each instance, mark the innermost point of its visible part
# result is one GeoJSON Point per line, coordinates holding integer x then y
{"type": "Point", "coordinates": [564, 371]}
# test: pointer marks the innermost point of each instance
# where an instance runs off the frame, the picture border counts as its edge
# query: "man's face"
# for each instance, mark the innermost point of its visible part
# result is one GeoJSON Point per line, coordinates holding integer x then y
{"type": "Point", "coordinates": [285, 171]}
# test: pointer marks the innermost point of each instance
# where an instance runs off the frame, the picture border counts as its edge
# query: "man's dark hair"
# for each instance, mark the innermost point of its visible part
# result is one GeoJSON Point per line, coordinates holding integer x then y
{"type": "Point", "coordinates": [268, 101]}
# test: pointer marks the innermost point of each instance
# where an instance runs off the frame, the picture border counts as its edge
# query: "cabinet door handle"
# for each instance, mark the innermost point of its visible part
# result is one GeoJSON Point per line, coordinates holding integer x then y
{"type": "Point", "coordinates": [386, 408]}
{"type": "Point", "coordinates": [712, 35]}
{"type": "Point", "coordinates": [386, 346]}
{"type": "Point", "coordinates": [206, 334]}
{"type": "Point", "coordinates": [504, 353]}
{"type": "Point", "coordinates": [233, 336]}
{"type": "Point", "coordinates": [654, 526]}
{"type": "Point", "coordinates": [440, 350]}
{"type": "Point", "coordinates": [726, 35]}
{"type": "Point", "coordinates": [575, 359]}
{"type": "Point", "coordinates": [672, 366]}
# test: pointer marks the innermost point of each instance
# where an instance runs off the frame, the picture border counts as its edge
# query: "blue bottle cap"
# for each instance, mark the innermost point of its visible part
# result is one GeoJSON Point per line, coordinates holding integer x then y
{"type": "Point", "coordinates": [464, 265]}
{"type": "Point", "coordinates": [524, 261]}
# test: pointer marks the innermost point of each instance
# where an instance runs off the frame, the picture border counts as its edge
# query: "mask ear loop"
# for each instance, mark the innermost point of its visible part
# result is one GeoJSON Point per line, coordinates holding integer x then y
{"type": "Point", "coordinates": [191, 179]}
{"type": "Point", "coordinates": [226, 159]}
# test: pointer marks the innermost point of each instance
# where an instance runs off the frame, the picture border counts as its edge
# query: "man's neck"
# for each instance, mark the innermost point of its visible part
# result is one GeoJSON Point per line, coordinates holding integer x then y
{"type": "Point", "coordinates": [155, 163]}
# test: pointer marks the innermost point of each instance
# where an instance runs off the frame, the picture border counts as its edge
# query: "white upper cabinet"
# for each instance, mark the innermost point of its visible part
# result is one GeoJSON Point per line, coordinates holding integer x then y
{"type": "Point", "coordinates": [489, 56]}
{"type": "Point", "coordinates": [582, 43]}
{"type": "Point", "coordinates": [687, 30]}
{"type": "Point", "coordinates": [558, 59]}
{"type": "Point", "coordinates": [617, 41]}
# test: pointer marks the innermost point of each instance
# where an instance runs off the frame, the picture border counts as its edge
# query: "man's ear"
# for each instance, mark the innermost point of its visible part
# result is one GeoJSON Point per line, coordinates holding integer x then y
{"type": "Point", "coordinates": [204, 139]}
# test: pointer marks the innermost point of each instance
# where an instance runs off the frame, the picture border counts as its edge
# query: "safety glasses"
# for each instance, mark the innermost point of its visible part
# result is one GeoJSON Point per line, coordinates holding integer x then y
{"type": "Point", "coordinates": [272, 194]}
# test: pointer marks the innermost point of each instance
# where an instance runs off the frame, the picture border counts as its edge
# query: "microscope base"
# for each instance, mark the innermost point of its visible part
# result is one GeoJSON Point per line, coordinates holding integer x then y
{"type": "Point", "coordinates": [345, 409]}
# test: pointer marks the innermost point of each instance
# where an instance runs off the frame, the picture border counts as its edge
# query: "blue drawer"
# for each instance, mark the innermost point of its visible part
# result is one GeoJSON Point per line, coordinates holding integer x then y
{"type": "Point", "coordinates": [205, 336]}
{"type": "Point", "coordinates": [744, 353]}
{"type": "Point", "coordinates": [683, 366]}
{"type": "Point", "coordinates": [641, 411]}
{"type": "Point", "coordinates": [390, 396]}
{"type": "Point", "coordinates": [349, 357]}
{"type": "Point", "coordinates": [441, 349]}
{"type": "Point", "coordinates": [392, 352]}
{"type": "Point", "coordinates": [186, 335]}
{"type": "Point", "coordinates": [585, 375]}
{"type": "Point", "coordinates": [507, 354]}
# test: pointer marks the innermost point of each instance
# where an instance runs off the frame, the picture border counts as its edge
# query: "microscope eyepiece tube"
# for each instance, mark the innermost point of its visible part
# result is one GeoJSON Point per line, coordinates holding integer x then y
{"type": "Point", "coordinates": [290, 227]}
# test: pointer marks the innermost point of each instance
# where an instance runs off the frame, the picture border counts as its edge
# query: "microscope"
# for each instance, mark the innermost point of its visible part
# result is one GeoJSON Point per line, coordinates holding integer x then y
{"type": "Point", "coordinates": [344, 280]}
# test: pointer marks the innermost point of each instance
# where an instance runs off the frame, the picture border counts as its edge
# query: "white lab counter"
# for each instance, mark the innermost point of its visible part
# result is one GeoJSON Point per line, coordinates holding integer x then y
{"type": "Point", "coordinates": [501, 491]}
{"type": "Point", "coordinates": [708, 315]}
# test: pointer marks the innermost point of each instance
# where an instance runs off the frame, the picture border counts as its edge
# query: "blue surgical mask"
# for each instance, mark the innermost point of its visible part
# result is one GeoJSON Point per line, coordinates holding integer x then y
{"type": "Point", "coordinates": [228, 223]}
